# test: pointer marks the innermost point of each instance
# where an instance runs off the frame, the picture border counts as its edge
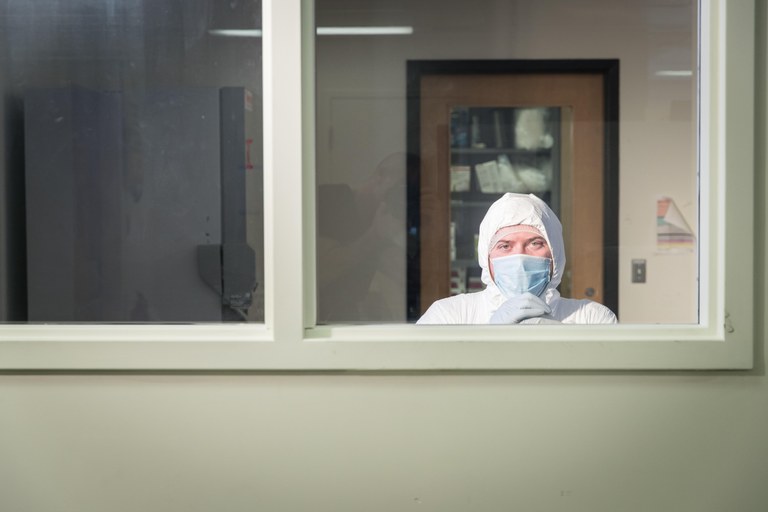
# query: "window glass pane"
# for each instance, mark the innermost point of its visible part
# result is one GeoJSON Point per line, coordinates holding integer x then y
{"type": "Point", "coordinates": [133, 161]}
{"type": "Point", "coordinates": [494, 150]}
{"type": "Point", "coordinates": [394, 80]}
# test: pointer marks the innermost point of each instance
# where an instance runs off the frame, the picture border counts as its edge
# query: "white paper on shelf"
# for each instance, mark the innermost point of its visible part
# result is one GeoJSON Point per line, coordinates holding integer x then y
{"type": "Point", "coordinates": [488, 176]}
{"type": "Point", "coordinates": [453, 240]}
{"type": "Point", "coordinates": [460, 177]}
{"type": "Point", "coordinates": [458, 280]}
{"type": "Point", "coordinates": [533, 180]}
{"type": "Point", "coordinates": [509, 181]}
{"type": "Point", "coordinates": [531, 130]}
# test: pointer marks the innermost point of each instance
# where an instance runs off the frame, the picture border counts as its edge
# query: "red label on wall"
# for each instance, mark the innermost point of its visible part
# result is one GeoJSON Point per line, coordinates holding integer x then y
{"type": "Point", "coordinates": [248, 101]}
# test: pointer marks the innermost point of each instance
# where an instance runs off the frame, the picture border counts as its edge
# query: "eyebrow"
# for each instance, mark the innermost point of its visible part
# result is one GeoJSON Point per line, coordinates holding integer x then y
{"type": "Point", "coordinates": [534, 237]}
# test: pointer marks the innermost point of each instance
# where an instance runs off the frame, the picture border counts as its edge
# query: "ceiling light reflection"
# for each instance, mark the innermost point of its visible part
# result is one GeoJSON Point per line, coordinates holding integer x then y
{"type": "Point", "coordinates": [675, 72]}
{"type": "Point", "coordinates": [324, 31]}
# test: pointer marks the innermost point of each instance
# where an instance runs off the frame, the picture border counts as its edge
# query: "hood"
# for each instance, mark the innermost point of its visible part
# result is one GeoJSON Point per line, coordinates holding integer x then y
{"type": "Point", "coordinates": [511, 210]}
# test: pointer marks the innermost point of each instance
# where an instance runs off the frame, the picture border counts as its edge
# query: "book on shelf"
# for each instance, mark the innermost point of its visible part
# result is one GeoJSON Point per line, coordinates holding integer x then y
{"type": "Point", "coordinates": [460, 178]}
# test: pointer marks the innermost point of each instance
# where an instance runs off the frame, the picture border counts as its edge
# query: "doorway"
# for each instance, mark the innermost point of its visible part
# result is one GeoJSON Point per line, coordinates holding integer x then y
{"type": "Point", "coordinates": [473, 128]}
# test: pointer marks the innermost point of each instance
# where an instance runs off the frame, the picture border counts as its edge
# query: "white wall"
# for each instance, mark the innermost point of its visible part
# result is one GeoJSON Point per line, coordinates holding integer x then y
{"type": "Point", "coordinates": [592, 443]}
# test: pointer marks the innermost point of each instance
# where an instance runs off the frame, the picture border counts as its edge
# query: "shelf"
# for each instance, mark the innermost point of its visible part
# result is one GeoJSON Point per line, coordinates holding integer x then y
{"type": "Point", "coordinates": [474, 198]}
{"type": "Point", "coordinates": [507, 151]}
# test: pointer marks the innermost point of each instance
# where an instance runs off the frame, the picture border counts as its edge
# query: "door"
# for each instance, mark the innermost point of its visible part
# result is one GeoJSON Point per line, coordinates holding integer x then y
{"type": "Point", "coordinates": [453, 193]}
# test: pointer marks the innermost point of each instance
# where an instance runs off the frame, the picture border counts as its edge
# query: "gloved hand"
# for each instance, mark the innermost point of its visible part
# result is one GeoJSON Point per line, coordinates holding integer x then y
{"type": "Point", "coordinates": [519, 308]}
{"type": "Point", "coordinates": [540, 320]}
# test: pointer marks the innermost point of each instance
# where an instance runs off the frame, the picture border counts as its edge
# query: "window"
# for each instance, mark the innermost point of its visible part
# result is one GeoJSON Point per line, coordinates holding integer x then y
{"type": "Point", "coordinates": [386, 215]}
{"type": "Point", "coordinates": [291, 337]}
{"type": "Point", "coordinates": [134, 162]}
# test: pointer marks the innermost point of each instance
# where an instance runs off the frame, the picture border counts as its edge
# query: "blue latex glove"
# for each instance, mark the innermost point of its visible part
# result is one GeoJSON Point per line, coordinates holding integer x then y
{"type": "Point", "coordinates": [518, 308]}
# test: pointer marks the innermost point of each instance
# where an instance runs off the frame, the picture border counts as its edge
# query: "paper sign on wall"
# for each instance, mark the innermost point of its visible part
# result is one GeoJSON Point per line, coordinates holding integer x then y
{"type": "Point", "coordinates": [673, 234]}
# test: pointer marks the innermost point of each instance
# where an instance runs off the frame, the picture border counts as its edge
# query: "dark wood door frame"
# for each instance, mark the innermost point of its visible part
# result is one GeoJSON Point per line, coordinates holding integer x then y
{"type": "Point", "coordinates": [607, 68]}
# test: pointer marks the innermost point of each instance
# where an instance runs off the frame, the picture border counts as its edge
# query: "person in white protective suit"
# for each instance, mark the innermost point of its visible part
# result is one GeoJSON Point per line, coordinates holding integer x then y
{"type": "Point", "coordinates": [522, 256]}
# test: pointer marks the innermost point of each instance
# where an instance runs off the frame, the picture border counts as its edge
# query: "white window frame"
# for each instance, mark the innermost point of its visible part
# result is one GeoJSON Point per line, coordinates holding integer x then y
{"type": "Point", "coordinates": [289, 339]}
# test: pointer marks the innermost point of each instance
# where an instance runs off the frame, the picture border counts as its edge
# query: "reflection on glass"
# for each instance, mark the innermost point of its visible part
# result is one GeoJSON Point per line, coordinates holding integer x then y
{"type": "Point", "coordinates": [135, 131]}
{"type": "Point", "coordinates": [494, 150]}
{"type": "Point", "coordinates": [363, 113]}
{"type": "Point", "coordinates": [360, 243]}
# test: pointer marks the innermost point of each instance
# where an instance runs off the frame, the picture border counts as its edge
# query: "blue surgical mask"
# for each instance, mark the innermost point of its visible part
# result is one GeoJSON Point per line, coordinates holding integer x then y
{"type": "Point", "coordinates": [520, 273]}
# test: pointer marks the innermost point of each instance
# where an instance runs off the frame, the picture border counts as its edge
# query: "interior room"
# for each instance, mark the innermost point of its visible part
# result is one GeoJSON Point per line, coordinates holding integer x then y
{"type": "Point", "coordinates": [362, 109]}
{"type": "Point", "coordinates": [214, 246]}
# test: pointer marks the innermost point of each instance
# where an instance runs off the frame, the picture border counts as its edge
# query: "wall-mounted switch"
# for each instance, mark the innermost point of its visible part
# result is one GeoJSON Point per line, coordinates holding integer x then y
{"type": "Point", "coordinates": [638, 271]}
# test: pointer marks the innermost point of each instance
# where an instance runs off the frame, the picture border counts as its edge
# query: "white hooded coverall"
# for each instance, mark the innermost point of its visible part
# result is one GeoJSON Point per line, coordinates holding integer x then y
{"type": "Point", "coordinates": [477, 308]}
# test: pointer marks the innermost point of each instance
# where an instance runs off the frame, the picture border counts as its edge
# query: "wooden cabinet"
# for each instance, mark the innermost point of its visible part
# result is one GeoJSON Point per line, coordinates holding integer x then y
{"type": "Point", "coordinates": [477, 129]}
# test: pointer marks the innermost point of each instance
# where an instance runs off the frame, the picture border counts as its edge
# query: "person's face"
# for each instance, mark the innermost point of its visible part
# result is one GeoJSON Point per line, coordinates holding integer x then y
{"type": "Point", "coordinates": [518, 240]}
